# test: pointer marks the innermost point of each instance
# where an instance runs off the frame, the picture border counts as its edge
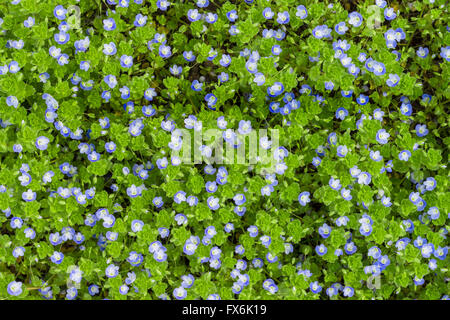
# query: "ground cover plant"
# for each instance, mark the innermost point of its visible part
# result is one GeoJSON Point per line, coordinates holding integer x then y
{"type": "Point", "coordinates": [346, 196]}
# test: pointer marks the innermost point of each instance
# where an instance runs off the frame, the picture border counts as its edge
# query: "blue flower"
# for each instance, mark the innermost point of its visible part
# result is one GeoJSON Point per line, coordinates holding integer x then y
{"type": "Point", "coordinates": [408, 225]}
{"type": "Point", "coordinates": [188, 56]}
{"type": "Point", "coordinates": [165, 51]}
{"type": "Point", "coordinates": [60, 12]}
{"type": "Point", "coordinates": [148, 111]}
{"type": "Point", "coordinates": [229, 227]}
{"type": "Point", "coordinates": [188, 281]}
{"type": "Point", "coordinates": [342, 151]}
{"type": "Point", "coordinates": [433, 212]}
{"type": "Point", "coordinates": [350, 248]}
{"type": "Point", "coordinates": [275, 90]}
{"type": "Point", "coordinates": [362, 100]}
{"type": "Point", "coordinates": [160, 255]}
{"type": "Point", "coordinates": [380, 3]}
{"type": "Point", "coordinates": [63, 59]}
{"type": "Point", "coordinates": [239, 249]}
{"type": "Point", "coordinates": [29, 195]}
{"type": "Point", "coordinates": [316, 161]}
{"type": "Point", "coordinates": [253, 231]}
{"type": "Point", "coordinates": [175, 70]}
{"type": "Point", "coordinates": [421, 130]}
{"type": "Point", "coordinates": [340, 28]}
{"type": "Point", "coordinates": [82, 45]}
{"type": "Point", "coordinates": [112, 271]}
{"type": "Point", "coordinates": [179, 197]}
{"type": "Point", "coordinates": [329, 85]}
{"type": "Point", "coordinates": [232, 15]}
{"type": "Point", "coordinates": [110, 147]}
{"type": "Point", "coordinates": [445, 53]}
{"type": "Point", "coordinates": [382, 136]}
{"type": "Point", "coordinates": [137, 225]}
{"type": "Point", "coordinates": [252, 65]}
{"type": "Point", "coordinates": [342, 221]}
{"type": "Point", "coordinates": [236, 288]}
{"type": "Point", "coordinates": [341, 113]}
{"type": "Point", "coordinates": [353, 69]}
{"type": "Point", "coordinates": [240, 211]}
{"type": "Point", "coordinates": [427, 250]}
{"type": "Point", "coordinates": [12, 101]}
{"type": "Point", "coordinates": [346, 194]}
{"type": "Point", "coordinates": [239, 199]}
{"type": "Point", "coordinates": [29, 22]}
{"type": "Point", "coordinates": [406, 109]}
{"type": "Point", "coordinates": [42, 143]}
{"type": "Point", "coordinates": [140, 20]}
{"type": "Point", "coordinates": [391, 39]}
{"type": "Point", "coordinates": [419, 242]}
{"type": "Point", "coordinates": [111, 81]}
{"type": "Point", "coordinates": [245, 127]}
{"type": "Point", "coordinates": [93, 289]}
{"type": "Point", "coordinates": [149, 94]}
{"type": "Point", "coordinates": [386, 201]}
{"type": "Point", "coordinates": [271, 258]}
{"type": "Point", "coordinates": [422, 52]}
{"type": "Point", "coordinates": [283, 17]}
{"type": "Point", "coordinates": [211, 100]}
{"type": "Point", "coordinates": [384, 261]}
{"type": "Point", "coordinates": [84, 65]}
{"type": "Point", "coordinates": [379, 69]}
{"type": "Point", "coordinates": [376, 156]}
{"type": "Point", "coordinates": [196, 85]}
{"type": "Point", "coordinates": [325, 231]}
{"type": "Point", "coordinates": [389, 14]}
{"type": "Point", "coordinates": [335, 184]}
{"type": "Point", "coordinates": [18, 252]}
{"type": "Point", "coordinates": [57, 257]}
{"type": "Point", "coordinates": [212, 54]}
{"type": "Point", "coordinates": [365, 229]}
{"type": "Point", "coordinates": [374, 252]}
{"type": "Point", "coordinates": [126, 61]}
{"type": "Point", "coordinates": [210, 17]}
{"type": "Point", "coordinates": [163, 4]}
{"type": "Point", "coordinates": [364, 178]}
{"type": "Point", "coordinates": [193, 15]}
{"type": "Point", "coordinates": [321, 32]}
{"type": "Point", "coordinates": [225, 60]}
{"type": "Point", "coordinates": [355, 19]}
{"type": "Point", "coordinates": [189, 247]}
{"type": "Point", "coordinates": [14, 288]}
{"type": "Point", "coordinates": [14, 67]}
{"type": "Point", "coordinates": [29, 233]}
{"type": "Point", "coordinates": [133, 191]}
{"type": "Point", "coordinates": [268, 13]}
{"type": "Point", "coordinates": [393, 80]}
{"type": "Point", "coordinates": [430, 183]}
{"type": "Point", "coordinates": [348, 291]}
{"type": "Point", "coordinates": [62, 37]}
{"type": "Point", "coordinates": [378, 114]}
{"type": "Point", "coordinates": [441, 253]}
{"type": "Point", "coordinates": [213, 203]}
{"type": "Point", "coordinates": [321, 249]}
{"type": "Point", "coordinates": [109, 49]}
{"type": "Point", "coordinates": [302, 13]}
{"type": "Point", "coordinates": [123, 289]}
{"type": "Point", "coordinates": [109, 24]}
{"type": "Point", "coordinates": [94, 156]}
{"type": "Point", "coordinates": [303, 198]}
{"type": "Point", "coordinates": [404, 155]}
